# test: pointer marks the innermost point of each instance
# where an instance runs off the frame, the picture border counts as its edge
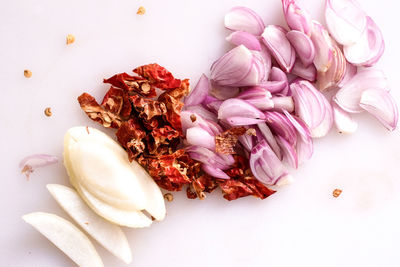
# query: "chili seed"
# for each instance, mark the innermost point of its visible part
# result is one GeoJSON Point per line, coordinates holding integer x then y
{"type": "Point", "coordinates": [169, 197]}
{"type": "Point", "coordinates": [70, 39]}
{"type": "Point", "coordinates": [193, 118]}
{"type": "Point", "coordinates": [141, 11]}
{"type": "Point", "coordinates": [336, 192]}
{"type": "Point", "coordinates": [27, 73]}
{"type": "Point", "coordinates": [47, 112]}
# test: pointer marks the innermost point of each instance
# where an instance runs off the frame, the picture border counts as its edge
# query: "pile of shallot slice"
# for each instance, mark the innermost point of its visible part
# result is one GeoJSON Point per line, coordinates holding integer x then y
{"type": "Point", "coordinates": [273, 83]}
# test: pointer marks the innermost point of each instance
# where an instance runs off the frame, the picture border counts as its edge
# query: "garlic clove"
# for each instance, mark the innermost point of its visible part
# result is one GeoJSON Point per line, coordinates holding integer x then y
{"type": "Point", "coordinates": [106, 175]}
{"type": "Point", "coordinates": [107, 234]}
{"type": "Point", "coordinates": [134, 219]}
{"type": "Point", "coordinates": [65, 236]}
{"type": "Point", "coordinates": [87, 150]}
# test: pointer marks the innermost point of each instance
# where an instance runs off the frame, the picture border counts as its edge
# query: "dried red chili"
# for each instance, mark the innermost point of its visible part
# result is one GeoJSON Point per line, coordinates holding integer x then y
{"type": "Point", "coordinates": [168, 171]}
{"type": "Point", "coordinates": [132, 84]}
{"type": "Point", "coordinates": [225, 142]}
{"type": "Point", "coordinates": [174, 108]}
{"type": "Point", "coordinates": [130, 135]}
{"type": "Point", "coordinates": [158, 76]}
{"type": "Point", "coordinates": [149, 128]}
{"type": "Point", "coordinates": [117, 102]}
{"type": "Point", "coordinates": [98, 113]}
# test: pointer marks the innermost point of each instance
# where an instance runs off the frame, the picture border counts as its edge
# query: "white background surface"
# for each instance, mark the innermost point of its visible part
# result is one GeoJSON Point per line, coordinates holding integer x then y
{"type": "Point", "coordinates": [301, 225]}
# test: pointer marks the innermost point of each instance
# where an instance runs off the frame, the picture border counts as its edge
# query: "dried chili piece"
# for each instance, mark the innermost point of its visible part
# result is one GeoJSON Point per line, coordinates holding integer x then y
{"type": "Point", "coordinates": [168, 171]}
{"type": "Point", "coordinates": [97, 113]}
{"type": "Point", "coordinates": [203, 183]}
{"type": "Point", "coordinates": [163, 140]}
{"type": "Point", "coordinates": [181, 91]}
{"type": "Point", "coordinates": [130, 135]}
{"type": "Point", "coordinates": [163, 134]}
{"type": "Point", "coordinates": [242, 182]}
{"type": "Point", "coordinates": [132, 84]}
{"type": "Point", "coordinates": [147, 108]}
{"type": "Point", "coordinates": [245, 186]}
{"type": "Point", "coordinates": [158, 76]}
{"type": "Point", "coordinates": [117, 102]}
{"type": "Point", "coordinates": [225, 142]}
{"type": "Point", "coordinates": [174, 108]}
{"type": "Point", "coordinates": [234, 189]}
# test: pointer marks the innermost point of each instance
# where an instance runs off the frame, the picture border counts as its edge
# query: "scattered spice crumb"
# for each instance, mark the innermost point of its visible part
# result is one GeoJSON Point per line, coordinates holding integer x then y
{"type": "Point", "coordinates": [169, 197]}
{"type": "Point", "coordinates": [87, 129]}
{"type": "Point", "coordinates": [27, 170]}
{"type": "Point", "coordinates": [70, 39]}
{"type": "Point", "coordinates": [47, 112]}
{"type": "Point", "coordinates": [193, 118]}
{"type": "Point", "coordinates": [152, 218]}
{"type": "Point", "coordinates": [336, 192]}
{"type": "Point", "coordinates": [202, 195]}
{"type": "Point", "coordinates": [27, 73]}
{"type": "Point", "coordinates": [141, 11]}
{"type": "Point", "coordinates": [251, 131]}
{"type": "Point", "coordinates": [86, 223]}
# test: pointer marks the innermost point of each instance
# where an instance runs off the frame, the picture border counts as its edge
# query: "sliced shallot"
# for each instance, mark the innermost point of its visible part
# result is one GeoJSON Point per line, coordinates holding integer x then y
{"type": "Point", "coordinates": [296, 17]}
{"type": "Point", "coordinates": [244, 19]}
{"type": "Point", "coordinates": [348, 97]}
{"type": "Point", "coordinates": [324, 127]}
{"type": "Point", "coordinates": [238, 67]}
{"type": "Point", "coordinates": [343, 120]}
{"type": "Point", "coordinates": [308, 73]}
{"type": "Point", "coordinates": [29, 163]}
{"type": "Point", "coordinates": [345, 19]}
{"type": "Point", "coordinates": [204, 113]}
{"type": "Point", "coordinates": [335, 73]}
{"type": "Point", "coordinates": [258, 97]}
{"type": "Point", "coordinates": [265, 165]}
{"type": "Point", "coordinates": [323, 47]}
{"type": "Point", "coordinates": [274, 37]}
{"type": "Point", "coordinates": [303, 46]}
{"type": "Point", "coordinates": [281, 126]}
{"type": "Point", "coordinates": [368, 49]}
{"type": "Point", "coordinates": [304, 143]}
{"type": "Point", "coordinates": [309, 103]}
{"type": "Point", "coordinates": [222, 92]}
{"type": "Point", "coordinates": [214, 172]}
{"type": "Point", "coordinates": [288, 152]}
{"type": "Point", "coordinates": [382, 106]}
{"type": "Point", "coordinates": [244, 38]}
{"type": "Point", "coordinates": [199, 93]}
{"type": "Point", "coordinates": [237, 108]}
{"type": "Point", "coordinates": [270, 138]}
{"type": "Point", "coordinates": [283, 102]}
{"type": "Point", "coordinates": [350, 72]}
{"type": "Point", "coordinates": [197, 136]}
{"type": "Point", "coordinates": [206, 156]}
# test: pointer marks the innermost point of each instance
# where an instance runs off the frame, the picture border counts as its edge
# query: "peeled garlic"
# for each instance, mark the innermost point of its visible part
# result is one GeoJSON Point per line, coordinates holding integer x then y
{"type": "Point", "coordinates": [67, 237]}
{"type": "Point", "coordinates": [99, 169]}
{"type": "Point", "coordinates": [109, 235]}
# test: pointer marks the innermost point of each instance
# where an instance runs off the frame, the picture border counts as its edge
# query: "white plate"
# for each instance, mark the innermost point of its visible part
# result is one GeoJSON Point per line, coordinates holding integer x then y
{"type": "Point", "coordinates": [302, 225]}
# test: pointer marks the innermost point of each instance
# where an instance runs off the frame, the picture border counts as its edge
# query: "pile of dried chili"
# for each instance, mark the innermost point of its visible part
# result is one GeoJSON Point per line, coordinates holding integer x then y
{"type": "Point", "coordinates": [149, 128]}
